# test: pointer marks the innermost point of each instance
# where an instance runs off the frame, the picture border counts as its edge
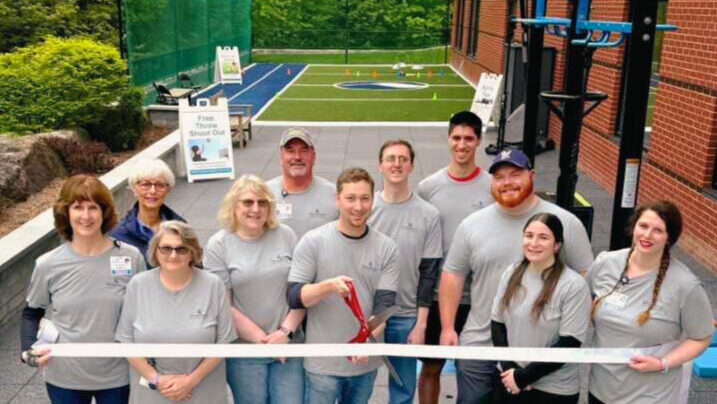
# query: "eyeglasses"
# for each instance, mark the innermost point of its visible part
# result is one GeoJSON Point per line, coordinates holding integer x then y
{"type": "Point", "coordinates": [248, 203]}
{"type": "Point", "coordinates": [392, 159]}
{"type": "Point", "coordinates": [147, 185]}
{"type": "Point", "coordinates": [167, 250]}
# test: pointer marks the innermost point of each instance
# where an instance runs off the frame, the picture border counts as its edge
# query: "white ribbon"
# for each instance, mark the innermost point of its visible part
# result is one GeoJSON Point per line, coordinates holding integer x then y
{"type": "Point", "coordinates": [559, 355]}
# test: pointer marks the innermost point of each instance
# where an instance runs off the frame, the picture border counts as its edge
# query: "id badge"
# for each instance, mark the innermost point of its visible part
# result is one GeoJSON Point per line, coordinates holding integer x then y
{"type": "Point", "coordinates": [617, 300]}
{"type": "Point", "coordinates": [283, 210]}
{"type": "Point", "coordinates": [121, 265]}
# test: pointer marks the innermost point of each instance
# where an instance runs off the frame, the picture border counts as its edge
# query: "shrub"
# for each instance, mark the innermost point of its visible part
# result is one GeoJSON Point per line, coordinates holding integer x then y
{"type": "Point", "coordinates": [80, 157]}
{"type": "Point", "coordinates": [59, 83]}
{"type": "Point", "coordinates": [120, 126]}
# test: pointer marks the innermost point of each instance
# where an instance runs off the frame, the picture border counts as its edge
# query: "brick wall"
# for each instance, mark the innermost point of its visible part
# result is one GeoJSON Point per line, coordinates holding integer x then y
{"type": "Point", "coordinates": [683, 144]}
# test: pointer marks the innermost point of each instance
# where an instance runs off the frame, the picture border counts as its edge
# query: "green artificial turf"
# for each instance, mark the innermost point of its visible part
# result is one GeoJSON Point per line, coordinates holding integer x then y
{"type": "Point", "coordinates": [432, 55]}
{"type": "Point", "coordinates": [313, 97]}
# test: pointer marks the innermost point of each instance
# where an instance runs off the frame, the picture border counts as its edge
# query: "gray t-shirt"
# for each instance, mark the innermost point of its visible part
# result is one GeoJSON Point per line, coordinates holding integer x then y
{"type": "Point", "coordinates": [197, 314]}
{"type": "Point", "coordinates": [490, 240]}
{"type": "Point", "coordinates": [566, 314]}
{"type": "Point", "coordinates": [371, 261]}
{"type": "Point", "coordinates": [414, 225]}
{"type": "Point", "coordinates": [83, 298]}
{"type": "Point", "coordinates": [455, 200]}
{"type": "Point", "coordinates": [254, 272]}
{"type": "Point", "coordinates": [682, 310]}
{"type": "Point", "coordinates": [306, 210]}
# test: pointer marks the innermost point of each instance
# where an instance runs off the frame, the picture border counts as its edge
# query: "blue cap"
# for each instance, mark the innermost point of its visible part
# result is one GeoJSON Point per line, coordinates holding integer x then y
{"type": "Point", "coordinates": [513, 157]}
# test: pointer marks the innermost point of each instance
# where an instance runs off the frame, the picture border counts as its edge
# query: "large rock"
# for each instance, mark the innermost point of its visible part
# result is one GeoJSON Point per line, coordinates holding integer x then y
{"type": "Point", "coordinates": [26, 166]}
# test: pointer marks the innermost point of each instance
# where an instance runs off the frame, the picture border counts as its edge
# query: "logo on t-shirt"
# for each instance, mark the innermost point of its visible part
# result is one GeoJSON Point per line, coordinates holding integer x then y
{"type": "Point", "coordinates": [477, 205]}
{"type": "Point", "coordinates": [285, 256]}
{"type": "Point", "coordinates": [317, 213]}
{"type": "Point", "coordinates": [409, 226]}
{"type": "Point", "coordinates": [369, 266]}
{"type": "Point", "coordinates": [198, 313]}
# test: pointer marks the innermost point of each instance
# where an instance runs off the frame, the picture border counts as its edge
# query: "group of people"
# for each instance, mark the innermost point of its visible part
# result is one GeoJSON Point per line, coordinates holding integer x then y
{"type": "Point", "coordinates": [471, 258]}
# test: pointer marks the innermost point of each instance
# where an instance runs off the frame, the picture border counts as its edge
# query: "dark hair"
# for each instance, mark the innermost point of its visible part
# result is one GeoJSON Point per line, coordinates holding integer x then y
{"type": "Point", "coordinates": [83, 187]}
{"type": "Point", "coordinates": [396, 142]}
{"type": "Point", "coordinates": [466, 118]}
{"type": "Point", "coordinates": [671, 216]}
{"type": "Point", "coordinates": [550, 275]}
{"type": "Point", "coordinates": [353, 175]}
{"type": "Point", "coordinates": [195, 148]}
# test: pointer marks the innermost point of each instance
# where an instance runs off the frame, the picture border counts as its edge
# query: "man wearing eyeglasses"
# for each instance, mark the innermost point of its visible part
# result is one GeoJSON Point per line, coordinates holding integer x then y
{"type": "Point", "coordinates": [414, 225]}
{"type": "Point", "coordinates": [303, 201]}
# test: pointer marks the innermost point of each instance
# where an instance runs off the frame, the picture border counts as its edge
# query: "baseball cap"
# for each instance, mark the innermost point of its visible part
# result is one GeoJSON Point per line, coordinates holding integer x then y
{"type": "Point", "coordinates": [296, 133]}
{"type": "Point", "coordinates": [513, 157]}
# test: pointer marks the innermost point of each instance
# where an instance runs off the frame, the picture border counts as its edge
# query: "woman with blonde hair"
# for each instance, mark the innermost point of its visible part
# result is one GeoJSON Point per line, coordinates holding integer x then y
{"type": "Point", "coordinates": [83, 281]}
{"type": "Point", "coordinates": [176, 303]}
{"type": "Point", "coordinates": [647, 299]}
{"type": "Point", "coordinates": [252, 255]}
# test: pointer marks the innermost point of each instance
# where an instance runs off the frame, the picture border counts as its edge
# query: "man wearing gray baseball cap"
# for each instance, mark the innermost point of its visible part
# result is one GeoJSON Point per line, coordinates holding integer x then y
{"type": "Point", "coordinates": [303, 201]}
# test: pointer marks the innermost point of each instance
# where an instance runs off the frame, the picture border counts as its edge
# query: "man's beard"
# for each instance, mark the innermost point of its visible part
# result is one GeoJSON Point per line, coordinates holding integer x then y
{"type": "Point", "coordinates": [513, 201]}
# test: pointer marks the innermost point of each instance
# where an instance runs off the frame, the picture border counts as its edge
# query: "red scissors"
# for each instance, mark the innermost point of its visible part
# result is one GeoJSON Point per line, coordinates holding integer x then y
{"type": "Point", "coordinates": [365, 328]}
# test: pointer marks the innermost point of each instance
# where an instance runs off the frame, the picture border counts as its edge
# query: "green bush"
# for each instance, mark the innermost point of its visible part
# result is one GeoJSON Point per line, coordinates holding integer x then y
{"type": "Point", "coordinates": [120, 126]}
{"type": "Point", "coordinates": [59, 83]}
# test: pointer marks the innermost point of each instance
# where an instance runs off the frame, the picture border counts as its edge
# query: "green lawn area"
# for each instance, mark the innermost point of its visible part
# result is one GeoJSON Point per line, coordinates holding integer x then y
{"type": "Point", "coordinates": [313, 97]}
{"type": "Point", "coordinates": [424, 56]}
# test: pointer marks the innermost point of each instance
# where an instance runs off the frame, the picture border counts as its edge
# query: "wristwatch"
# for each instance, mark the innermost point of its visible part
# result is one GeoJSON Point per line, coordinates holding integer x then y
{"type": "Point", "coordinates": [154, 383]}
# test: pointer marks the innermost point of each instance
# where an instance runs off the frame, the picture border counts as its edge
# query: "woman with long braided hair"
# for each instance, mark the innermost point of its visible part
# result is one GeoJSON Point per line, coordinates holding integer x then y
{"type": "Point", "coordinates": [646, 299]}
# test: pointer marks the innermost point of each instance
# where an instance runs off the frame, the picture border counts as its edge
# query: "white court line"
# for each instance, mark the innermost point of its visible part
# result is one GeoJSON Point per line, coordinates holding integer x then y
{"type": "Point", "coordinates": [430, 85]}
{"type": "Point", "coordinates": [375, 99]}
{"type": "Point", "coordinates": [218, 83]}
{"type": "Point", "coordinates": [462, 76]}
{"type": "Point", "coordinates": [377, 64]}
{"type": "Point", "coordinates": [379, 74]}
{"type": "Point", "coordinates": [271, 100]}
{"type": "Point", "coordinates": [403, 124]}
{"type": "Point", "coordinates": [255, 83]}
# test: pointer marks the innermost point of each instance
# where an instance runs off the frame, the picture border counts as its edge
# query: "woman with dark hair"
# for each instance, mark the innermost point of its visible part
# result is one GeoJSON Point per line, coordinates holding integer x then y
{"type": "Point", "coordinates": [540, 303]}
{"type": "Point", "coordinates": [83, 281]}
{"type": "Point", "coordinates": [644, 298]}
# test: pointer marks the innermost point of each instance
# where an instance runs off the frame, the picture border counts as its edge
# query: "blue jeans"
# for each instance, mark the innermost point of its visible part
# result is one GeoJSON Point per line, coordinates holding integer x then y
{"type": "Point", "coordinates": [263, 380]}
{"type": "Point", "coordinates": [397, 330]}
{"type": "Point", "coordinates": [60, 395]}
{"type": "Point", "coordinates": [321, 389]}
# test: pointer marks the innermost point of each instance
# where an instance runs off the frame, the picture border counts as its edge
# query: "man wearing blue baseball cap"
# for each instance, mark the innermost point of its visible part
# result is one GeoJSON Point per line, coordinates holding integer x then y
{"type": "Point", "coordinates": [485, 244]}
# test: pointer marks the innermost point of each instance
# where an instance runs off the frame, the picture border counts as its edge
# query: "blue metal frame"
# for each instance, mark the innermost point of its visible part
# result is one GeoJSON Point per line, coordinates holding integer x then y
{"type": "Point", "coordinates": [605, 29]}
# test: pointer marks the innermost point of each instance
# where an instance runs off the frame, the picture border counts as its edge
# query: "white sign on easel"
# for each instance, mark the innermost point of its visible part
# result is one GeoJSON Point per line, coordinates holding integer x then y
{"type": "Point", "coordinates": [206, 140]}
{"type": "Point", "coordinates": [485, 100]}
{"type": "Point", "coordinates": [227, 65]}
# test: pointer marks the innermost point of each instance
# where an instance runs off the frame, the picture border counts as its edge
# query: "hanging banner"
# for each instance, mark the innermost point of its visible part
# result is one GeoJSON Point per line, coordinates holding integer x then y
{"type": "Point", "coordinates": [227, 65]}
{"type": "Point", "coordinates": [206, 140]}
{"type": "Point", "coordinates": [485, 103]}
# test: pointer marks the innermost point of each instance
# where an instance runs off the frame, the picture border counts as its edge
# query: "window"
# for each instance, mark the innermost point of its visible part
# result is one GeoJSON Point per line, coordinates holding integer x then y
{"type": "Point", "coordinates": [473, 28]}
{"type": "Point", "coordinates": [458, 38]}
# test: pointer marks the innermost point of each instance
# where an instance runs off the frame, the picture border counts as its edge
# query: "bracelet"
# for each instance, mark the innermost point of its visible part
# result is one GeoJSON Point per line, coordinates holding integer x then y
{"type": "Point", "coordinates": [284, 330]}
{"type": "Point", "coordinates": [664, 365]}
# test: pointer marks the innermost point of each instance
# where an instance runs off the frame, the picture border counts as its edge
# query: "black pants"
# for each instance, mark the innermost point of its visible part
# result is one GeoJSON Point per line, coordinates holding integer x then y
{"type": "Point", "coordinates": [501, 396]}
{"type": "Point", "coordinates": [593, 400]}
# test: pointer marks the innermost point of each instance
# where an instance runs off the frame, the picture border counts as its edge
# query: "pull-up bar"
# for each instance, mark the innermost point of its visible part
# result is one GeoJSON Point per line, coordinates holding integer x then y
{"type": "Point", "coordinates": [584, 27]}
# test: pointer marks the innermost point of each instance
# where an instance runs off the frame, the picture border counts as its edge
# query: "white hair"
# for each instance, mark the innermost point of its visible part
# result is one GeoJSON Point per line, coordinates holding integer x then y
{"type": "Point", "coordinates": [150, 168]}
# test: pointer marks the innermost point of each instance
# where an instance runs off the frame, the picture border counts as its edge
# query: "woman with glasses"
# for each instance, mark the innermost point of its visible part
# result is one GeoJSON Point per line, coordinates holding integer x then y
{"type": "Point", "coordinates": [252, 255]}
{"type": "Point", "coordinates": [540, 303]}
{"type": "Point", "coordinates": [176, 303]}
{"type": "Point", "coordinates": [150, 182]}
{"type": "Point", "coordinates": [81, 283]}
{"type": "Point", "coordinates": [646, 299]}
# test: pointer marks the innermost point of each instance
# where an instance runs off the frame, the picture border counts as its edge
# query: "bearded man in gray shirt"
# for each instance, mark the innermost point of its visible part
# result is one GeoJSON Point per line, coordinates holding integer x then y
{"type": "Point", "coordinates": [303, 201]}
{"type": "Point", "coordinates": [484, 245]}
{"type": "Point", "coordinates": [325, 261]}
